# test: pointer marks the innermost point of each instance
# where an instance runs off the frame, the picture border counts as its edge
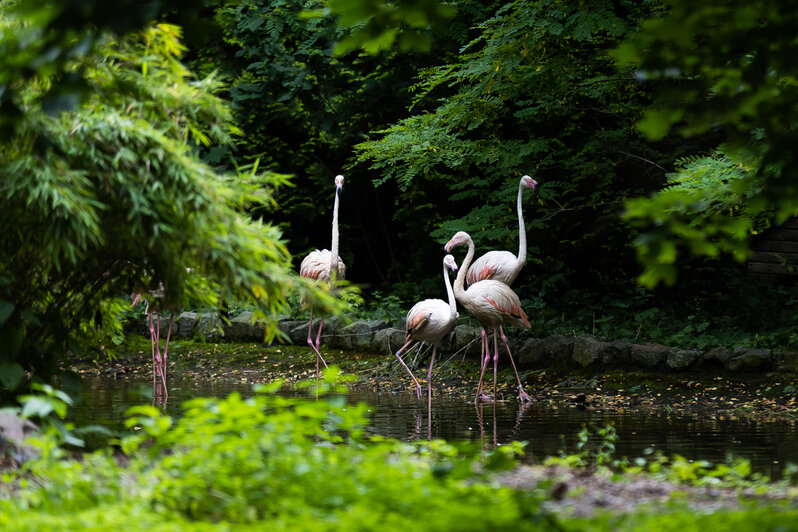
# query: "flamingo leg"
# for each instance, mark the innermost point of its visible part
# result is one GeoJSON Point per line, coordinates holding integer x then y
{"type": "Point", "coordinates": [521, 393]}
{"type": "Point", "coordinates": [152, 342]}
{"type": "Point", "coordinates": [399, 358]}
{"type": "Point", "coordinates": [158, 357]}
{"type": "Point", "coordinates": [495, 361]}
{"type": "Point", "coordinates": [318, 343]}
{"type": "Point", "coordinates": [165, 350]}
{"type": "Point", "coordinates": [315, 346]}
{"type": "Point", "coordinates": [429, 394]}
{"type": "Point", "coordinates": [485, 358]}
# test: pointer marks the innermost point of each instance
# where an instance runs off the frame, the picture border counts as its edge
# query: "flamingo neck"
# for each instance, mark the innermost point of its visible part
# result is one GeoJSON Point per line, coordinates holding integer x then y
{"type": "Point", "coordinates": [450, 292]}
{"type": "Point", "coordinates": [459, 283]}
{"type": "Point", "coordinates": [521, 230]}
{"type": "Point", "coordinates": [334, 245]}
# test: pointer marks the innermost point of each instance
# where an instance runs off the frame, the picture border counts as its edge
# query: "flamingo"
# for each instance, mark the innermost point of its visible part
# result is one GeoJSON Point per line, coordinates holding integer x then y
{"type": "Point", "coordinates": [324, 266]}
{"type": "Point", "coordinates": [492, 303]}
{"type": "Point", "coordinates": [154, 303]}
{"type": "Point", "coordinates": [503, 265]}
{"type": "Point", "coordinates": [429, 321]}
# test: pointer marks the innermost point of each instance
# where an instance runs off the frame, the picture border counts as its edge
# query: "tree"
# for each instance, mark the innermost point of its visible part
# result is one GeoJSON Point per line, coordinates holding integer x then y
{"type": "Point", "coordinates": [536, 92]}
{"type": "Point", "coordinates": [725, 68]}
{"type": "Point", "coordinates": [303, 106]}
{"type": "Point", "coordinates": [111, 197]}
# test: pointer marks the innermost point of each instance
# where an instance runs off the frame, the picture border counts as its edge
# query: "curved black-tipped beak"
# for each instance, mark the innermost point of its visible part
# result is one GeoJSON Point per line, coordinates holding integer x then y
{"type": "Point", "coordinates": [339, 190]}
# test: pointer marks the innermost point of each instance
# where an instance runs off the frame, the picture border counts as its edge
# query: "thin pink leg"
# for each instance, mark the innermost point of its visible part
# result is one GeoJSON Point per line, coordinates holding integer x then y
{"type": "Point", "coordinates": [429, 394]}
{"type": "Point", "coordinates": [521, 393]}
{"type": "Point", "coordinates": [402, 362]}
{"type": "Point", "coordinates": [315, 346]}
{"type": "Point", "coordinates": [485, 358]}
{"type": "Point", "coordinates": [152, 341]}
{"type": "Point", "coordinates": [165, 350]}
{"type": "Point", "coordinates": [495, 361]}
{"type": "Point", "coordinates": [318, 343]}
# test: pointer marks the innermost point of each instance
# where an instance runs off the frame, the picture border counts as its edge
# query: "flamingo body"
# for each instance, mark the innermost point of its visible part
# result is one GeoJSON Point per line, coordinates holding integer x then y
{"type": "Point", "coordinates": [492, 303]}
{"type": "Point", "coordinates": [429, 321]}
{"type": "Point", "coordinates": [316, 265]}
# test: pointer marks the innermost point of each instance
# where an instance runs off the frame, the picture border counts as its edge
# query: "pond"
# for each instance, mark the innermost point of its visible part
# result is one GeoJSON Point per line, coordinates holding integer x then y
{"type": "Point", "coordinates": [769, 445]}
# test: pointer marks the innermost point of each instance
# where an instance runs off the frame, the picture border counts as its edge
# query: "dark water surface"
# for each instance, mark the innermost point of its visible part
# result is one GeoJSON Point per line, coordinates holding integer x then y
{"type": "Point", "coordinates": [769, 445]}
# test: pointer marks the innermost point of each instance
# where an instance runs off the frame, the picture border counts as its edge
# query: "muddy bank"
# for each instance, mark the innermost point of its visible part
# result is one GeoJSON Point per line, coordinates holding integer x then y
{"type": "Point", "coordinates": [714, 395]}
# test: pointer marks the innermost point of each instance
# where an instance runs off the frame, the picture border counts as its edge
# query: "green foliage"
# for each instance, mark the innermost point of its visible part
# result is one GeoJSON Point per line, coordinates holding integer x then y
{"type": "Point", "coordinates": [735, 79]}
{"type": "Point", "coordinates": [292, 463]}
{"type": "Point", "coordinates": [376, 26]}
{"type": "Point", "coordinates": [705, 207]}
{"type": "Point", "coordinates": [534, 92]}
{"type": "Point", "coordinates": [111, 198]}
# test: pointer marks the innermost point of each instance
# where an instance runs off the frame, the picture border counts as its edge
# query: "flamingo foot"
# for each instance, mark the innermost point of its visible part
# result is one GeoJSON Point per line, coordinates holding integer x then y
{"type": "Point", "coordinates": [523, 396]}
{"type": "Point", "coordinates": [484, 397]}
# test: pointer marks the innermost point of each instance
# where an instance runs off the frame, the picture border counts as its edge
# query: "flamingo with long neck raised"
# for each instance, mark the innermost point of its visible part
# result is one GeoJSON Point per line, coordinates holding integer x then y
{"type": "Point", "coordinates": [492, 303]}
{"type": "Point", "coordinates": [429, 321]}
{"type": "Point", "coordinates": [503, 265]}
{"type": "Point", "coordinates": [324, 266]}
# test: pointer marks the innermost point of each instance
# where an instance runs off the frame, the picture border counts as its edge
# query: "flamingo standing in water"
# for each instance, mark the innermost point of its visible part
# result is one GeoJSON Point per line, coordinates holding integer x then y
{"type": "Point", "coordinates": [429, 321]}
{"type": "Point", "coordinates": [324, 266]}
{"type": "Point", "coordinates": [492, 303]}
{"type": "Point", "coordinates": [159, 359]}
{"type": "Point", "coordinates": [503, 265]}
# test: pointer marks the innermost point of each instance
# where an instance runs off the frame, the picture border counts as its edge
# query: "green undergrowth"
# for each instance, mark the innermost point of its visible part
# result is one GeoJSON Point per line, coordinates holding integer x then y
{"type": "Point", "coordinates": [289, 463]}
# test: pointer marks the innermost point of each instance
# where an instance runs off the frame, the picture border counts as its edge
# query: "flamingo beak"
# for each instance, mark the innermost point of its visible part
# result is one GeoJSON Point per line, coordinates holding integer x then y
{"type": "Point", "coordinates": [448, 246]}
{"type": "Point", "coordinates": [339, 189]}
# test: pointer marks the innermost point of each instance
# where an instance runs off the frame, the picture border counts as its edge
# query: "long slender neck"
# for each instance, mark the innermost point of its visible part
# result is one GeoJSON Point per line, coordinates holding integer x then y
{"type": "Point", "coordinates": [450, 292]}
{"type": "Point", "coordinates": [461, 275]}
{"type": "Point", "coordinates": [521, 229]}
{"type": "Point", "coordinates": [334, 245]}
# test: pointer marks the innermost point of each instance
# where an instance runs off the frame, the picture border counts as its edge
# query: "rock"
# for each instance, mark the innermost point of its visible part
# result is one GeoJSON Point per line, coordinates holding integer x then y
{"type": "Point", "coordinates": [549, 350]}
{"type": "Point", "coordinates": [745, 358]}
{"type": "Point", "coordinates": [358, 335]}
{"type": "Point", "coordinates": [143, 326]}
{"type": "Point", "coordinates": [242, 327]}
{"type": "Point", "coordinates": [286, 326]}
{"type": "Point", "coordinates": [616, 353]}
{"type": "Point", "coordinates": [208, 325]}
{"type": "Point", "coordinates": [466, 338]}
{"type": "Point", "coordinates": [720, 355]}
{"type": "Point", "coordinates": [388, 341]}
{"type": "Point", "coordinates": [683, 358]}
{"type": "Point", "coordinates": [649, 355]}
{"type": "Point", "coordinates": [299, 332]}
{"type": "Point", "coordinates": [13, 431]}
{"type": "Point", "coordinates": [587, 350]}
{"type": "Point", "coordinates": [186, 323]}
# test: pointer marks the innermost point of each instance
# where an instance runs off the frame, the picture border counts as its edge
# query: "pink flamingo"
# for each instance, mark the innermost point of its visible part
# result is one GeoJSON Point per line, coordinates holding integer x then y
{"type": "Point", "coordinates": [429, 321]}
{"type": "Point", "coordinates": [492, 303]}
{"type": "Point", "coordinates": [159, 359]}
{"type": "Point", "coordinates": [503, 265]}
{"type": "Point", "coordinates": [324, 266]}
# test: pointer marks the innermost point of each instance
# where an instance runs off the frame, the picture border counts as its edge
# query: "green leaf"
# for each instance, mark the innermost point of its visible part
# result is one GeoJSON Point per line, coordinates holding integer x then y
{"type": "Point", "coordinates": [11, 374]}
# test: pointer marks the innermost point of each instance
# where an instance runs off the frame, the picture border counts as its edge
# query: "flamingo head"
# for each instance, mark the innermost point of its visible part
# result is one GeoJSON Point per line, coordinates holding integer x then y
{"type": "Point", "coordinates": [339, 184]}
{"type": "Point", "coordinates": [449, 262]}
{"type": "Point", "coordinates": [527, 181]}
{"type": "Point", "coordinates": [460, 237]}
